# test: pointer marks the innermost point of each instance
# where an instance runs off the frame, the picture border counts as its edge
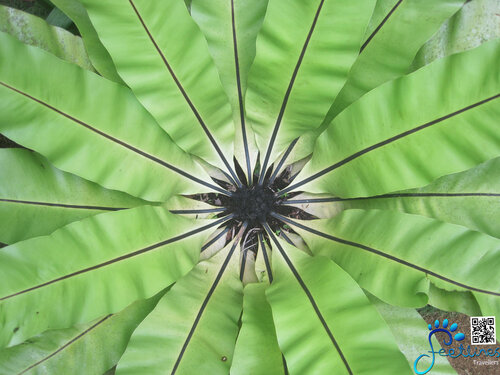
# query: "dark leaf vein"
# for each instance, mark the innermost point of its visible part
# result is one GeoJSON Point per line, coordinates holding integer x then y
{"type": "Point", "coordinates": [120, 258]}
{"type": "Point", "coordinates": [392, 195]}
{"type": "Point", "coordinates": [185, 95]}
{"type": "Point", "coordinates": [240, 95]}
{"type": "Point", "coordinates": [63, 205]}
{"type": "Point", "coordinates": [309, 296]}
{"type": "Point", "coordinates": [88, 330]}
{"type": "Point", "coordinates": [204, 305]}
{"type": "Point", "coordinates": [379, 26]}
{"type": "Point", "coordinates": [287, 93]}
{"type": "Point", "coordinates": [121, 143]}
{"type": "Point", "coordinates": [385, 255]}
{"type": "Point", "coordinates": [386, 142]}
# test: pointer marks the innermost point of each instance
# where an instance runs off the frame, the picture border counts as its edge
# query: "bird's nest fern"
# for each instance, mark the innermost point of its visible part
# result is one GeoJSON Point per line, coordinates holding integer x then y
{"type": "Point", "coordinates": [245, 186]}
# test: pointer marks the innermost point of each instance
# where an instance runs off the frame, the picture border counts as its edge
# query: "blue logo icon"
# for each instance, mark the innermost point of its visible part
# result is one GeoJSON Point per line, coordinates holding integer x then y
{"type": "Point", "coordinates": [457, 337]}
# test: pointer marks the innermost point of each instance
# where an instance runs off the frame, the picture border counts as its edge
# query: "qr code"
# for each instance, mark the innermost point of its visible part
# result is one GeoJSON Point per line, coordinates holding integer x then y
{"type": "Point", "coordinates": [482, 330]}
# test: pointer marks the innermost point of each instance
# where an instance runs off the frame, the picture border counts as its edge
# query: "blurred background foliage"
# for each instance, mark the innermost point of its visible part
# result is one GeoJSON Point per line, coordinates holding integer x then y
{"type": "Point", "coordinates": [44, 9]}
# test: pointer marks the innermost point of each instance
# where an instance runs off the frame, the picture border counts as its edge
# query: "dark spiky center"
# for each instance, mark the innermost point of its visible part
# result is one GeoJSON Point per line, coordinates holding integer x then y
{"type": "Point", "coordinates": [253, 209]}
{"type": "Point", "coordinates": [252, 204]}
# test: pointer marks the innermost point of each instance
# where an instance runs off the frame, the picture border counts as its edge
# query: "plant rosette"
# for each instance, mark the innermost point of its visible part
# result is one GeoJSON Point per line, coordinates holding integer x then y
{"type": "Point", "coordinates": [244, 187]}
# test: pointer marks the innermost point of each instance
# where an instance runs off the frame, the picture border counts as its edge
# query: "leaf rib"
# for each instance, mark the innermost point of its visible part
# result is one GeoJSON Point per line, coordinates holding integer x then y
{"type": "Point", "coordinates": [266, 258]}
{"type": "Point", "coordinates": [243, 263]}
{"type": "Point", "coordinates": [385, 142]}
{"type": "Point", "coordinates": [204, 304]}
{"type": "Point", "coordinates": [63, 205]}
{"type": "Point", "coordinates": [379, 26]}
{"type": "Point", "coordinates": [382, 254]}
{"type": "Point", "coordinates": [116, 140]}
{"type": "Point", "coordinates": [309, 296]}
{"type": "Point", "coordinates": [392, 195]}
{"type": "Point", "coordinates": [286, 238]}
{"type": "Point", "coordinates": [285, 367]}
{"type": "Point", "coordinates": [120, 258]}
{"type": "Point", "coordinates": [282, 161]}
{"type": "Point", "coordinates": [234, 177]}
{"type": "Point", "coordinates": [240, 95]}
{"type": "Point", "coordinates": [287, 94]}
{"type": "Point", "coordinates": [73, 340]}
{"type": "Point", "coordinates": [215, 239]}
{"type": "Point", "coordinates": [200, 211]}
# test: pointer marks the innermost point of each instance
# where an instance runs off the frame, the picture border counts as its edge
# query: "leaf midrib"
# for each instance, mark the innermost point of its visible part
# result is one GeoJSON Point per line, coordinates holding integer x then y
{"type": "Point", "coordinates": [66, 345]}
{"type": "Point", "coordinates": [386, 142]}
{"type": "Point", "coordinates": [310, 297]}
{"type": "Point", "coordinates": [379, 26]}
{"type": "Point", "coordinates": [384, 255]}
{"type": "Point", "coordinates": [120, 258]}
{"type": "Point", "coordinates": [204, 305]}
{"type": "Point", "coordinates": [63, 205]}
{"type": "Point", "coordinates": [288, 92]}
{"type": "Point", "coordinates": [116, 140]}
{"type": "Point", "coordinates": [186, 97]}
{"type": "Point", "coordinates": [392, 195]}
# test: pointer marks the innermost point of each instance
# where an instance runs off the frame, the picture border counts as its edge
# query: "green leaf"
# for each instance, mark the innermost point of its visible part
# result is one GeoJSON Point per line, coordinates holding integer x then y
{"type": "Point", "coordinates": [304, 52]}
{"type": "Point", "coordinates": [102, 134]}
{"type": "Point", "coordinates": [194, 326]}
{"type": "Point", "coordinates": [231, 28]}
{"type": "Point", "coordinates": [114, 259]}
{"type": "Point", "coordinates": [329, 326]}
{"type": "Point", "coordinates": [192, 208]}
{"type": "Point", "coordinates": [263, 260]}
{"type": "Point", "coordinates": [87, 349]}
{"type": "Point", "coordinates": [397, 31]}
{"type": "Point", "coordinates": [36, 32]}
{"type": "Point", "coordinates": [59, 19]}
{"type": "Point", "coordinates": [257, 350]}
{"type": "Point", "coordinates": [453, 300]}
{"type": "Point", "coordinates": [412, 130]}
{"type": "Point", "coordinates": [476, 23]}
{"type": "Point", "coordinates": [36, 198]}
{"type": "Point", "coordinates": [410, 331]}
{"type": "Point", "coordinates": [179, 63]}
{"type": "Point", "coordinates": [147, 43]}
{"type": "Point", "coordinates": [374, 246]}
{"type": "Point", "coordinates": [470, 198]}
{"type": "Point", "coordinates": [215, 242]}
{"type": "Point", "coordinates": [100, 58]}
{"type": "Point", "coordinates": [323, 206]}
{"type": "Point", "coordinates": [40, 8]}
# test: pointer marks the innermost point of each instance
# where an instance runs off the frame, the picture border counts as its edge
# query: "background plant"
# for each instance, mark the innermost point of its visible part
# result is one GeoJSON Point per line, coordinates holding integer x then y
{"type": "Point", "coordinates": [300, 254]}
